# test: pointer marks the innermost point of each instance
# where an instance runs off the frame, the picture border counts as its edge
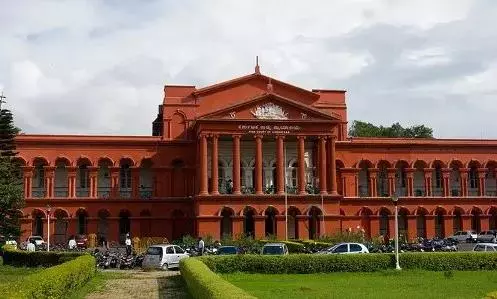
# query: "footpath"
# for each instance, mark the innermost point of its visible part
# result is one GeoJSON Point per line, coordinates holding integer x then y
{"type": "Point", "coordinates": [140, 284]}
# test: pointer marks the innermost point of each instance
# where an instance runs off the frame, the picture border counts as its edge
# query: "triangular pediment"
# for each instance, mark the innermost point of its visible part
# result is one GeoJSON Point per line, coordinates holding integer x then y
{"type": "Point", "coordinates": [269, 106]}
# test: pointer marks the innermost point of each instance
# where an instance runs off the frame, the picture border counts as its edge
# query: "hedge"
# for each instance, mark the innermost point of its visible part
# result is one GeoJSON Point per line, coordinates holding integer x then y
{"type": "Point", "coordinates": [19, 258]}
{"type": "Point", "coordinates": [54, 282]}
{"type": "Point", "coordinates": [203, 283]}
{"type": "Point", "coordinates": [324, 263]}
{"type": "Point", "coordinates": [313, 245]}
{"type": "Point", "coordinates": [491, 295]}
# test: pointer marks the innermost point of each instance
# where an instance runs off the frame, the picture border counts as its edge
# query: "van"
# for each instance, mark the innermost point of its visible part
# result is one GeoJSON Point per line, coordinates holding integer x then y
{"type": "Point", "coordinates": [163, 257]}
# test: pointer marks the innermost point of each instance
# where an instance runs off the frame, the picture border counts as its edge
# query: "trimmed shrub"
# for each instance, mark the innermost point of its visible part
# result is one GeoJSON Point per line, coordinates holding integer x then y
{"type": "Point", "coordinates": [19, 258]}
{"type": "Point", "coordinates": [293, 247]}
{"type": "Point", "coordinates": [299, 263]}
{"type": "Point", "coordinates": [54, 282]}
{"type": "Point", "coordinates": [141, 245]}
{"type": "Point", "coordinates": [316, 246]}
{"type": "Point", "coordinates": [203, 283]}
{"type": "Point", "coordinates": [492, 295]}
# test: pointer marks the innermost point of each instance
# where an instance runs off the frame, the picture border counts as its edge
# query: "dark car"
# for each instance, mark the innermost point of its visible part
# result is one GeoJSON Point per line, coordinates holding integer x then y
{"type": "Point", "coordinates": [227, 250]}
{"type": "Point", "coordinates": [81, 241]}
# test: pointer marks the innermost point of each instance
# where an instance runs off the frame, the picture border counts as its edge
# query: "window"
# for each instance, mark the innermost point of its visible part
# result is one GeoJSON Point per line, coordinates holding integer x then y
{"type": "Point", "coordinates": [479, 248]}
{"type": "Point", "coordinates": [125, 176]}
{"type": "Point", "coordinates": [341, 248]}
{"type": "Point", "coordinates": [179, 249]}
{"type": "Point", "coordinates": [355, 248]}
{"type": "Point", "coordinates": [154, 251]}
{"type": "Point", "coordinates": [170, 250]}
{"type": "Point", "coordinates": [438, 177]}
{"type": "Point", "coordinates": [473, 178]}
{"type": "Point", "coordinates": [83, 177]}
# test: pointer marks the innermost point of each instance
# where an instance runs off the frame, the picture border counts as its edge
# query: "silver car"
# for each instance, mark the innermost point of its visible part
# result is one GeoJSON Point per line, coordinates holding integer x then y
{"type": "Point", "coordinates": [346, 248]}
{"type": "Point", "coordinates": [487, 247]}
{"type": "Point", "coordinates": [488, 236]}
{"type": "Point", "coordinates": [464, 236]}
{"type": "Point", "coordinates": [163, 256]}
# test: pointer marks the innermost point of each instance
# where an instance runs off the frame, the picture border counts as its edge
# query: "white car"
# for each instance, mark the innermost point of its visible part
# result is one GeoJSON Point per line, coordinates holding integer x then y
{"type": "Point", "coordinates": [464, 236]}
{"type": "Point", "coordinates": [164, 256]}
{"type": "Point", "coordinates": [485, 247]}
{"type": "Point", "coordinates": [346, 248]}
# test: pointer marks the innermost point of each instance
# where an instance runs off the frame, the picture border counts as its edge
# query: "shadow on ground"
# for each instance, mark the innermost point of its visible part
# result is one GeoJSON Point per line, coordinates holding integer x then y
{"type": "Point", "coordinates": [173, 286]}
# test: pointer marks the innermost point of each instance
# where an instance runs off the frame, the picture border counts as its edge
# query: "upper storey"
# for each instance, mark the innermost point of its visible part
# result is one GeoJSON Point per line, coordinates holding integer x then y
{"type": "Point", "coordinates": [241, 98]}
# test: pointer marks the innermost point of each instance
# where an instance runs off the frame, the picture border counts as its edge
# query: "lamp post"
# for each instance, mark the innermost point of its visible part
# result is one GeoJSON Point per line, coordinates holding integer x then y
{"type": "Point", "coordinates": [395, 200]}
{"type": "Point", "coordinates": [48, 227]}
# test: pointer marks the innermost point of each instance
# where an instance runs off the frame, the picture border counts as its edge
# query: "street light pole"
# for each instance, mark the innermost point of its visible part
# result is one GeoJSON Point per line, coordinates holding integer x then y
{"type": "Point", "coordinates": [395, 200]}
{"type": "Point", "coordinates": [48, 227]}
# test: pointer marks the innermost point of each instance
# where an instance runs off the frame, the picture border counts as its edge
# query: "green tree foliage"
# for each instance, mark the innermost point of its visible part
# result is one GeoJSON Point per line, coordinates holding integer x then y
{"type": "Point", "coordinates": [11, 188]}
{"type": "Point", "coordinates": [364, 129]}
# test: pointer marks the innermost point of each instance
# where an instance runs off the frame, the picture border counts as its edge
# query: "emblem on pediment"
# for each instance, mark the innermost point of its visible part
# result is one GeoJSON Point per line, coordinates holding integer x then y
{"type": "Point", "coordinates": [269, 111]}
{"type": "Point", "coordinates": [232, 114]}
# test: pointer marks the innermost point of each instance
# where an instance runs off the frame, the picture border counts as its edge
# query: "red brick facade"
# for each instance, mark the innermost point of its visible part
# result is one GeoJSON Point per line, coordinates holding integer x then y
{"type": "Point", "coordinates": [226, 158]}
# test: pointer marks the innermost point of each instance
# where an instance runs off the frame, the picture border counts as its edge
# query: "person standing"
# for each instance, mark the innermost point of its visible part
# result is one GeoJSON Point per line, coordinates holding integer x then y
{"type": "Point", "coordinates": [201, 246]}
{"type": "Point", "coordinates": [128, 245]}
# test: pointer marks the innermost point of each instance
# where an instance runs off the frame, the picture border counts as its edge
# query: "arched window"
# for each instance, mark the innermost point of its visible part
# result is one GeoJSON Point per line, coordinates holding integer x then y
{"type": "Point", "coordinates": [457, 221]}
{"type": "Point", "coordinates": [314, 223]}
{"type": "Point", "coordinates": [82, 217]}
{"type": "Point", "coordinates": [248, 222]}
{"type": "Point", "coordinates": [226, 223]}
{"type": "Point", "coordinates": [124, 225]}
{"type": "Point", "coordinates": [295, 168]}
{"type": "Point", "coordinates": [473, 182]}
{"type": "Point", "coordinates": [384, 223]}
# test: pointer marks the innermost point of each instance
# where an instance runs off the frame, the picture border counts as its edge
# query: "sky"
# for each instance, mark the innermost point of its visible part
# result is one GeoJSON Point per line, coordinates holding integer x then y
{"type": "Point", "coordinates": [99, 67]}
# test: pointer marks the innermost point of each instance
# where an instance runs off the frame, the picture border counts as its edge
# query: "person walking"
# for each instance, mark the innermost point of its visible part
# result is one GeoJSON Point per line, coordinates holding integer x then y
{"type": "Point", "coordinates": [201, 246]}
{"type": "Point", "coordinates": [128, 245]}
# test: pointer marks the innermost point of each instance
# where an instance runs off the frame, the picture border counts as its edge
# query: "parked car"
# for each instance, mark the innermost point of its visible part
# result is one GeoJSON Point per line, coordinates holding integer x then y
{"type": "Point", "coordinates": [485, 247]}
{"type": "Point", "coordinates": [227, 250]}
{"type": "Point", "coordinates": [275, 249]}
{"type": "Point", "coordinates": [38, 241]}
{"type": "Point", "coordinates": [81, 241]}
{"type": "Point", "coordinates": [346, 248]}
{"type": "Point", "coordinates": [488, 236]}
{"type": "Point", "coordinates": [464, 236]}
{"type": "Point", "coordinates": [163, 256]}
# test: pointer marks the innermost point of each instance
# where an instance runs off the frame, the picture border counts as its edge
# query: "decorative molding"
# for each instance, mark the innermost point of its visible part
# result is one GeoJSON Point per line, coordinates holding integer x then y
{"type": "Point", "coordinates": [269, 111]}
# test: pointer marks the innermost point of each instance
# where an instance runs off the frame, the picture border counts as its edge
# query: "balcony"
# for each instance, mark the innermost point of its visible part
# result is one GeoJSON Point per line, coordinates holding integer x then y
{"type": "Point", "coordinates": [125, 193]}
{"type": "Point", "coordinates": [103, 192]}
{"type": "Point", "coordinates": [38, 192]}
{"type": "Point", "coordinates": [146, 193]}
{"type": "Point", "coordinates": [82, 192]}
{"type": "Point", "coordinates": [61, 192]}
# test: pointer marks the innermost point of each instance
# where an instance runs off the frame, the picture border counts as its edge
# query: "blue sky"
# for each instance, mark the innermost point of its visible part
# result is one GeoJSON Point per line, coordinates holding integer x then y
{"type": "Point", "coordinates": [88, 67]}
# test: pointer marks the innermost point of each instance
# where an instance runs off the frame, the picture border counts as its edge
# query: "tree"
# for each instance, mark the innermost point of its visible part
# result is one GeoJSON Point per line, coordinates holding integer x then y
{"type": "Point", "coordinates": [11, 187]}
{"type": "Point", "coordinates": [364, 129]}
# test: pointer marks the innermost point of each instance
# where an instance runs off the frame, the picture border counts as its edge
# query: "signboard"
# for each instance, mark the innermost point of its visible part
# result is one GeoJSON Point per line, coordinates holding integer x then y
{"type": "Point", "coordinates": [269, 129]}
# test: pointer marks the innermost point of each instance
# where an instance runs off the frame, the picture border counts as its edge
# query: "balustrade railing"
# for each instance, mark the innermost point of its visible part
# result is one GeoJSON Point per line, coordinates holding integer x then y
{"type": "Point", "coordinates": [103, 192]}
{"type": "Point", "coordinates": [146, 193]}
{"type": "Point", "coordinates": [419, 191]}
{"type": "Point", "coordinates": [437, 191]}
{"type": "Point", "coordinates": [82, 192]}
{"type": "Point", "coordinates": [126, 193]}
{"type": "Point", "coordinates": [38, 192]}
{"type": "Point", "coordinates": [61, 192]}
{"type": "Point", "coordinates": [472, 191]}
{"type": "Point", "coordinates": [363, 191]}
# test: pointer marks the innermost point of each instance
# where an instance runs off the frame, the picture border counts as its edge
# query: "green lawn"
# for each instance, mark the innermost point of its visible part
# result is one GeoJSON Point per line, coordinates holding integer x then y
{"type": "Point", "coordinates": [388, 284]}
{"type": "Point", "coordinates": [9, 273]}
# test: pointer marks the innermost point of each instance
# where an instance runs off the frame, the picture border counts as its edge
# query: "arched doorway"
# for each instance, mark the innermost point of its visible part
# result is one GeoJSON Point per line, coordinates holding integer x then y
{"type": "Point", "coordinates": [457, 219]}
{"type": "Point", "coordinates": [492, 224]}
{"type": "Point", "coordinates": [293, 228]}
{"type": "Point", "coordinates": [226, 223]}
{"type": "Point", "coordinates": [82, 218]}
{"type": "Point", "coordinates": [270, 221]}
{"type": "Point", "coordinates": [421, 222]}
{"type": "Point", "coordinates": [38, 223]}
{"type": "Point", "coordinates": [60, 235]}
{"type": "Point", "coordinates": [440, 223]}
{"type": "Point", "coordinates": [475, 219]}
{"type": "Point", "coordinates": [314, 223]}
{"type": "Point", "coordinates": [248, 221]}
{"type": "Point", "coordinates": [403, 224]}
{"type": "Point", "coordinates": [385, 223]}
{"type": "Point", "coordinates": [124, 225]}
{"type": "Point", "coordinates": [103, 226]}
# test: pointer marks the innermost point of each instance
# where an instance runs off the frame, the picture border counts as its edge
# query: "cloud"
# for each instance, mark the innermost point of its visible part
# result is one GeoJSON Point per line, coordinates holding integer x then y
{"type": "Point", "coordinates": [89, 67]}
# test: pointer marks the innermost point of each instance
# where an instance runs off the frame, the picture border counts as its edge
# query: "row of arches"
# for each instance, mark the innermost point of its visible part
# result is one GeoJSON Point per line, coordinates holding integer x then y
{"type": "Point", "coordinates": [103, 220]}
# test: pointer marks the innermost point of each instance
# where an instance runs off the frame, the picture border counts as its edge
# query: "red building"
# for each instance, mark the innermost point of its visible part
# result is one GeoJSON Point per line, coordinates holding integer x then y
{"type": "Point", "coordinates": [245, 156]}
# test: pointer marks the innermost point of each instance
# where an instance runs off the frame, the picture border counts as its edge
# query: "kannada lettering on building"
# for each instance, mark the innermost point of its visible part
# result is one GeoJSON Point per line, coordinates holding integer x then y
{"type": "Point", "coordinates": [268, 129]}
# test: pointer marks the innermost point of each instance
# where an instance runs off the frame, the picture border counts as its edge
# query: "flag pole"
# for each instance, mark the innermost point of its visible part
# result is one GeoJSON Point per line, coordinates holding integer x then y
{"type": "Point", "coordinates": [286, 198]}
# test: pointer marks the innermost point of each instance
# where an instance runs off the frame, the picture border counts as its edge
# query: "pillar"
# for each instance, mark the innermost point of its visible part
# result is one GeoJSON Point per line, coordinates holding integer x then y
{"type": "Point", "coordinates": [484, 222]}
{"type": "Point", "coordinates": [410, 181]}
{"type": "Point", "coordinates": [302, 223]}
{"type": "Point", "coordinates": [280, 227]}
{"type": "Point", "coordinates": [258, 165]}
{"type": "Point", "coordinates": [28, 179]}
{"type": "Point", "coordinates": [135, 182]}
{"type": "Point", "coordinates": [391, 181]}
{"type": "Point", "coordinates": [322, 166]}
{"type": "Point", "coordinates": [482, 183]}
{"type": "Point", "coordinates": [428, 183]}
{"type": "Point", "coordinates": [464, 181]}
{"type": "Point", "coordinates": [466, 222]}
{"type": "Point", "coordinates": [373, 188]}
{"type": "Point", "coordinates": [259, 226]}
{"type": "Point", "coordinates": [71, 181]}
{"type": "Point", "coordinates": [49, 181]}
{"type": "Point", "coordinates": [412, 231]}
{"type": "Point", "coordinates": [280, 165]}
{"type": "Point", "coordinates": [374, 225]}
{"type": "Point", "coordinates": [446, 182]}
{"type": "Point", "coordinates": [301, 163]}
{"type": "Point", "coordinates": [114, 181]}
{"type": "Point", "coordinates": [236, 165]}
{"type": "Point", "coordinates": [203, 165]}
{"type": "Point", "coordinates": [237, 226]}
{"type": "Point", "coordinates": [214, 166]}
{"type": "Point", "coordinates": [332, 165]}
{"type": "Point", "coordinates": [430, 226]}
{"type": "Point", "coordinates": [93, 174]}
{"type": "Point", "coordinates": [448, 225]}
